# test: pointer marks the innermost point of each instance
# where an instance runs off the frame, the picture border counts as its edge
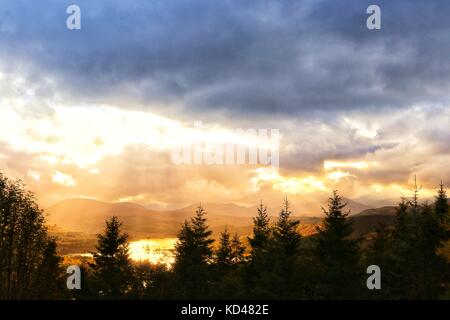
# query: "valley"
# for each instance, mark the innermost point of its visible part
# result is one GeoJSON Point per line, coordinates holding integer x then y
{"type": "Point", "coordinates": [75, 222]}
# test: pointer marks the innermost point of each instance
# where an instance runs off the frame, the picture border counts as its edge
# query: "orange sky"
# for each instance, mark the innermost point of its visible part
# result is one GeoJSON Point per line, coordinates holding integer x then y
{"type": "Point", "coordinates": [111, 154]}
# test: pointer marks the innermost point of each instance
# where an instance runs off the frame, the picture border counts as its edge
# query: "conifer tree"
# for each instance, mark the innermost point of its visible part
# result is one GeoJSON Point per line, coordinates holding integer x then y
{"type": "Point", "coordinates": [441, 206]}
{"type": "Point", "coordinates": [261, 232]}
{"type": "Point", "coordinates": [285, 236]}
{"type": "Point", "coordinates": [379, 253]}
{"type": "Point", "coordinates": [416, 271]}
{"type": "Point", "coordinates": [202, 235]}
{"type": "Point", "coordinates": [193, 255]}
{"type": "Point", "coordinates": [256, 273]}
{"type": "Point", "coordinates": [237, 250]}
{"type": "Point", "coordinates": [113, 271]}
{"type": "Point", "coordinates": [49, 282]}
{"type": "Point", "coordinates": [225, 252]}
{"type": "Point", "coordinates": [273, 269]}
{"type": "Point", "coordinates": [284, 255]}
{"type": "Point", "coordinates": [227, 276]}
{"type": "Point", "coordinates": [339, 275]}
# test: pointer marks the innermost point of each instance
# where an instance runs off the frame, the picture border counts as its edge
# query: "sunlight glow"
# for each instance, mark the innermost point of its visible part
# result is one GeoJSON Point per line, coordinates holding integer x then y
{"type": "Point", "coordinates": [35, 175]}
{"type": "Point", "coordinates": [290, 185]}
{"type": "Point", "coordinates": [153, 250]}
{"type": "Point", "coordinates": [338, 175]}
{"type": "Point", "coordinates": [329, 164]}
{"type": "Point", "coordinates": [64, 179]}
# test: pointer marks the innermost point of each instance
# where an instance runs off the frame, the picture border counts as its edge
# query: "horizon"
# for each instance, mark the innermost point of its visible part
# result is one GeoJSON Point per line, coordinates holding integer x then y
{"type": "Point", "coordinates": [156, 207]}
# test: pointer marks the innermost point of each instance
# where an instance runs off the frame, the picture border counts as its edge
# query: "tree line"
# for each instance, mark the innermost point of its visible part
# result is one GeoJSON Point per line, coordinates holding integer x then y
{"type": "Point", "coordinates": [274, 262]}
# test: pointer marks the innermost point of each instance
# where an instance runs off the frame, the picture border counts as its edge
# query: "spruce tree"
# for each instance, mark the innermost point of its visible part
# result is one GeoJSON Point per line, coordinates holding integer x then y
{"type": "Point", "coordinates": [441, 206]}
{"type": "Point", "coordinates": [193, 256]}
{"type": "Point", "coordinates": [113, 271]}
{"type": "Point", "coordinates": [261, 232]}
{"type": "Point", "coordinates": [202, 235]}
{"type": "Point", "coordinates": [257, 272]}
{"type": "Point", "coordinates": [416, 270]}
{"type": "Point", "coordinates": [379, 253]}
{"type": "Point", "coordinates": [284, 255]}
{"type": "Point", "coordinates": [50, 282]}
{"type": "Point", "coordinates": [225, 252]}
{"type": "Point", "coordinates": [273, 268]}
{"type": "Point", "coordinates": [230, 251]}
{"type": "Point", "coordinates": [237, 250]}
{"type": "Point", "coordinates": [338, 273]}
{"type": "Point", "coordinates": [285, 236]}
{"type": "Point", "coordinates": [227, 276]}
{"type": "Point", "coordinates": [441, 209]}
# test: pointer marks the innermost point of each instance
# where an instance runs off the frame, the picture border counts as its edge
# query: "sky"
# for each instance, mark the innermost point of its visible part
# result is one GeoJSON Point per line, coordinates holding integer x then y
{"type": "Point", "coordinates": [98, 112]}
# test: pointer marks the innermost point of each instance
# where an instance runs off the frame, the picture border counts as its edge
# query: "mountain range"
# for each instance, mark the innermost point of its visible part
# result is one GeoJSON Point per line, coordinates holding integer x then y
{"type": "Point", "coordinates": [75, 222]}
{"type": "Point", "coordinates": [88, 216]}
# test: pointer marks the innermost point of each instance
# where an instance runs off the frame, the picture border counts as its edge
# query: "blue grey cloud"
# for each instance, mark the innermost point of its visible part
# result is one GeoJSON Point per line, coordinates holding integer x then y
{"type": "Point", "coordinates": [240, 58]}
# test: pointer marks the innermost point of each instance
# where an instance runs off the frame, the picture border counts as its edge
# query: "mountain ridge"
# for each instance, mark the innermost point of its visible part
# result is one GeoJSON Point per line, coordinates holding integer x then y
{"type": "Point", "coordinates": [76, 221]}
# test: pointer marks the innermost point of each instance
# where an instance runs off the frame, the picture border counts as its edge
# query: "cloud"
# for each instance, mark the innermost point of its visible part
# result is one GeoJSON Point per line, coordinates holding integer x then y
{"type": "Point", "coordinates": [64, 179]}
{"type": "Point", "coordinates": [268, 57]}
{"type": "Point", "coordinates": [78, 104]}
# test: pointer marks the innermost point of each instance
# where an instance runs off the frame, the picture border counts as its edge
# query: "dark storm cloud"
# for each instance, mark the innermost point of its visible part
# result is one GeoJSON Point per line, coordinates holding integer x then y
{"type": "Point", "coordinates": [246, 57]}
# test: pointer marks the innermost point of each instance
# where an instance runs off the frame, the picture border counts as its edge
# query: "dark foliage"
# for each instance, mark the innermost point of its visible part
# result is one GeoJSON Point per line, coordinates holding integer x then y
{"type": "Point", "coordinates": [277, 263]}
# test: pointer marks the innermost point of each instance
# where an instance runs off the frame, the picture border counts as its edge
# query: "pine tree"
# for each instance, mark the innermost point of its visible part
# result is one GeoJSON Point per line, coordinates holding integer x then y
{"type": "Point", "coordinates": [260, 262]}
{"type": "Point", "coordinates": [273, 268]}
{"type": "Point", "coordinates": [284, 255]}
{"type": "Point", "coordinates": [285, 236]}
{"type": "Point", "coordinates": [261, 232]}
{"type": "Point", "coordinates": [193, 255]}
{"type": "Point", "coordinates": [225, 252]}
{"type": "Point", "coordinates": [339, 275]}
{"type": "Point", "coordinates": [416, 271]}
{"type": "Point", "coordinates": [441, 206]}
{"type": "Point", "coordinates": [202, 235]}
{"type": "Point", "coordinates": [441, 209]}
{"type": "Point", "coordinates": [230, 251]}
{"type": "Point", "coordinates": [401, 217]}
{"type": "Point", "coordinates": [227, 276]}
{"type": "Point", "coordinates": [237, 250]}
{"type": "Point", "coordinates": [49, 282]}
{"type": "Point", "coordinates": [433, 235]}
{"type": "Point", "coordinates": [380, 253]}
{"type": "Point", "coordinates": [113, 271]}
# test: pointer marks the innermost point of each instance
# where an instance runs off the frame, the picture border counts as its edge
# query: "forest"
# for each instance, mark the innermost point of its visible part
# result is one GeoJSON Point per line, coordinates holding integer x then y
{"type": "Point", "coordinates": [274, 262]}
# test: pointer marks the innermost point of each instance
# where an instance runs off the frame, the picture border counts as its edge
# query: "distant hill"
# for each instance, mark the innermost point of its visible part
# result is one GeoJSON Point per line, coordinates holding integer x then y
{"type": "Point", "coordinates": [80, 219]}
{"type": "Point", "coordinates": [369, 220]}
{"type": "Point", "coordinates": [383, 211]}
{"type": "Point", "coordinates": [355, 207]}
{"type": "Point", "coordinates": [88, 216]}
{"type": "Point", "coordinates": [221, 209]}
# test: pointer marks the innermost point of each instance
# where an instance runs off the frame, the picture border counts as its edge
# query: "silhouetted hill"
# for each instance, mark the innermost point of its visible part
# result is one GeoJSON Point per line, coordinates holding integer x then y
{"type": "Point", "coordinates": [387, 210]}
{"type": "Point", "coordinates": [355, 207]}
{"type": "Point", "coordinates": [88, 216]}
{"type": "Point", "coordinates": [222, 209]}
{"type": "Point", "coordinates": [369, 220]}
{"type": "Point", "coordinates": [81, 219]}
